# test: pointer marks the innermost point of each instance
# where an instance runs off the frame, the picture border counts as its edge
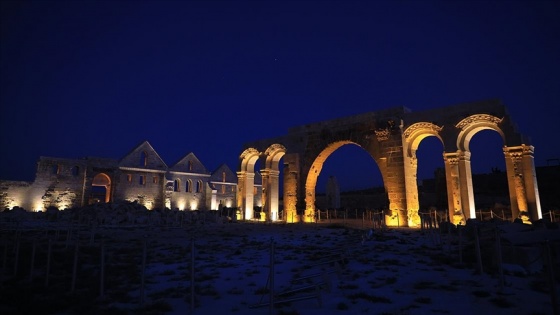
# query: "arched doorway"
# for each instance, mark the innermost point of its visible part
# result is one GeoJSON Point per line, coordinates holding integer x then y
{"type": "Point", "coordinates": [101, 188]}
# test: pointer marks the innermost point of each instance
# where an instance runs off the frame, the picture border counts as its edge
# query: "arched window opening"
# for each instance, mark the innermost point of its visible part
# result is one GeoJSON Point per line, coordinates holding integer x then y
{"type": "Point", "coordinates": [143, 159]}
{"type": "Point", "coordinates": [75, 171]}
{"type": "Point", "coordinates": [224, 177]}
{"type": "Point", "coordinates": [199, 186]}
{"type": "Point", "coordinates": [190, 166]}
{"type": "Point", "coordinates": [189, 186]}
{"type": "Point", "coordinates": [177, 185]}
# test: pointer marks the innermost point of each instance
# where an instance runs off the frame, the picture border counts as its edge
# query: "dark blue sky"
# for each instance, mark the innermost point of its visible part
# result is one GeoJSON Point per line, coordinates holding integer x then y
{"type": "Point", "coordinates": [96, 78]}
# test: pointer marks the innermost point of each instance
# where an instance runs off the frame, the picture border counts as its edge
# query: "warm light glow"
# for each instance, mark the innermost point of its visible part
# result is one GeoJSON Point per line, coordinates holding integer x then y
{"type": "Point", "coordinates": [38, 206]}
{"type": "Point", "coordinates": [13, 203]}
{"type": "Point", "coordinates": [194, 204]}
{"type": "Point", "coordinates": [181, 205]}
{"type": "Point", "coordinates": [229, 203]}
{"type": "Point", "coordinates": [248, 213]}
{"type": "Point", "coordinates": [149, 205]}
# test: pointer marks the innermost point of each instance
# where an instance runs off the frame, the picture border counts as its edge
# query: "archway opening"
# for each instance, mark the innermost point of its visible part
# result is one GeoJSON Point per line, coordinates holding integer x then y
{"type": "Point", "coordinates": [100, 189]}
{"type": "Point", "coordinates": [489, 177]}
{"type": "Point", "coordinates": [257, 191]}
{"type": "Point", "coordinates": [432, 189]}
{"type": "Point", "coordinates": [353, 174]}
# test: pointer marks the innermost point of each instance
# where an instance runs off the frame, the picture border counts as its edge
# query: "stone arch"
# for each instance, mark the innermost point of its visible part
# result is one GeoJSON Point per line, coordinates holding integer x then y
{"type": "Point", "coordinates": [417, 132]}
{"type": "Point", "coordinates": [246, 183]}
{"type": "Point", "coordinates": [273, 155]}
{"type": "Point", "coordinates": [413, 136]}
{"type": "Point", "coordinates": [271, 180]}
{"type": "Point", "coordinates": [248, 159]}
{"type": "Point", "coordinates": [393, 147]}
{"type": "Point", "coordinates": [472, 125]}
{"type": "Point", "coordinates": [103, 180]}
{"type": "Point", "coordinates": [313, 175]}
{"type": "Point", "coordinates": [461, 183]}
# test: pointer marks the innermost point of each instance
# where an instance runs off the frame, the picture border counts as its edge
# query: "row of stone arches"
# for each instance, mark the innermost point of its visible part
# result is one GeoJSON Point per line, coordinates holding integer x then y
{"type": "Point", "coordinates": [395, 154]}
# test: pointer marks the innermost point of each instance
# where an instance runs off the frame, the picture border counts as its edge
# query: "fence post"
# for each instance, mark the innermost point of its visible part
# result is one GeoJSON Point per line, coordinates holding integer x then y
{"type": "Point", "coordinates": [49, 251]}
{"type": "Point", "coordinates": [499, 257]}
{"type": "Point", "coordinates": [74, 268]}
{"type": "Point", "coordinates": [32, 261]}
{"type": "Point", "coordinates": [5, 259]}
{"type": "Point", "coordinates": [551, 279]}
{"type": "Point", "coordinates": [460, 230]}
{"type": "Point", "coordinates": [271, 277]}
{"type": "Point", "coordinates": [143, 282]}
{"type": "Point", "coordinates": [16, 261]}
{"type": "Point", "coordinates": [192, 274]}
{"type": "Point", "coordinates": [363, 214]}
{"type": "Point", "coordinates": [102, 273]}
{"type": "Point", "coordinates": [477, 248]}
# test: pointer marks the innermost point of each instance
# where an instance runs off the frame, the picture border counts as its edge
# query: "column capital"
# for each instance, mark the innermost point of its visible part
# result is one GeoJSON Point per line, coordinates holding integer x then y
{"type": "Point", "coordinates": [519, 151]}
{"type": "Point", "coordinates": [451, 158]}
{"type": "Point", "coordinates": [244, 174]}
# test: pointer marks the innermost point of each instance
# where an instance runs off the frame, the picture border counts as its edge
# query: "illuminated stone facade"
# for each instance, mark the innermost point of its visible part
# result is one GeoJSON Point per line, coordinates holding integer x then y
{"type": "Point", "coordinates": [391, 137]}
{"type": "Point", "coordinates": [140, 176]}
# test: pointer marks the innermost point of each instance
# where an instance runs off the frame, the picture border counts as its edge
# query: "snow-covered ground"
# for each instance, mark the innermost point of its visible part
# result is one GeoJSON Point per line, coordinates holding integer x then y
{"type": "Point", "coordinates": [341, 270]}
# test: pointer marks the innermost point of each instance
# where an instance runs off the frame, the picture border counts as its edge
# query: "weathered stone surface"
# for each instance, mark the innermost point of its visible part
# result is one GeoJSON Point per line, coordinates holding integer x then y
{"type": "Point", "coordinates": [391, 137]}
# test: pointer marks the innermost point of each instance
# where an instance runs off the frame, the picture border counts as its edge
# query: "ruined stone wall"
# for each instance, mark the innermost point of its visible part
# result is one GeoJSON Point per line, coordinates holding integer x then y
{"type": "Point", "coordinates": [14, 194]}
{"type": "Point", "coordinates": [61, 182]}
{"type": "Point", "coordinates": [141, 176]}
{"type": "Point", "coordinates": [146, 188]}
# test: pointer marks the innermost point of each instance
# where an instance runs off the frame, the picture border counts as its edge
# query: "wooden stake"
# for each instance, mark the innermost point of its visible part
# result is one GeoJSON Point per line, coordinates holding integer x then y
{"type": "Point", "coordinates": [74, 268]}
{"type": "Point", "coordinates": [49, 250]}
{"type": "Point", "coordinates": [32, 261]}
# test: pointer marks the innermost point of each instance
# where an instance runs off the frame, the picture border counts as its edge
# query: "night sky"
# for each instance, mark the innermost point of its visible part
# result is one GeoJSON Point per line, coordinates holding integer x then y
{"type": "Point", "coordinates": [96, 78]}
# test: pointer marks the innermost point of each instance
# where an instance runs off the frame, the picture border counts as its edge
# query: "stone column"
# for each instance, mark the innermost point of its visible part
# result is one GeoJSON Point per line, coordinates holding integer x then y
{"type": "Point", "coordinates": [265, 193]}
{"type": "Point", "coordinates": [522, 183]}
{"type": "Point", "coordinates": [309, 214]}
{"type": "Point", "coordinates": [455, 208]}
{"type": "Point", "coordinates": [246, 184]}
{"type": "Point", "coordinates": [273, 191]}
{"type": "Point", "coordinates": [531, 187]}
{"type": "Point", "coordinates": [394, 178]}
{"type": "Point", "coordinates": [465, 185]}
{"type": "Point", "coordinates": [291, 178]}
{"type": "Point", "coordinates": [411, 186]}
